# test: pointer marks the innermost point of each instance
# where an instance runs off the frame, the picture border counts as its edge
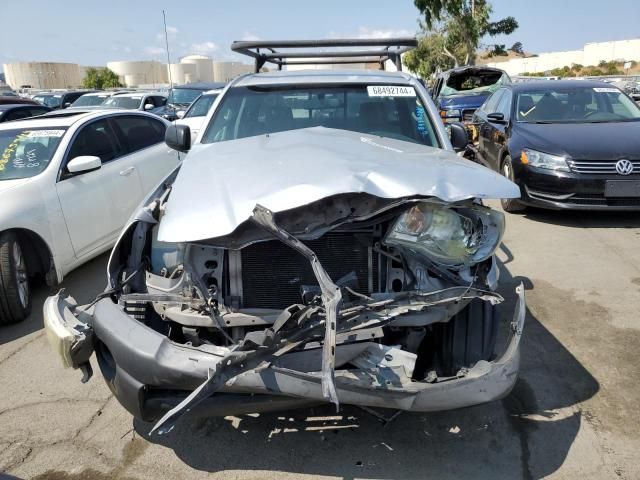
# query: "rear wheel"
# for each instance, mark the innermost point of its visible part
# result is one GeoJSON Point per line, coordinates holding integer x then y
{"type": "Point", "coordinates": [15, 290]}
{"type": "Point", "coordinates": [510, 205]}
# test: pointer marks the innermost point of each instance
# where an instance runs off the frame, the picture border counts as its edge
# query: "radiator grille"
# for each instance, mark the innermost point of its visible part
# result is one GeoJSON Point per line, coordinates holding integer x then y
{"type": "Point", "coordinates": [467, 115]}
{"type": "Point", "coordinates": [604, 166]}
{"type": "Point", "coordinates": [272, 272]}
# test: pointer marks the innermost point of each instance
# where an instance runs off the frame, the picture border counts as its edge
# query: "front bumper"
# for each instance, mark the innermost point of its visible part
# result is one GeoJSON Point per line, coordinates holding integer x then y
{"type": "Point", "coordinates": [570, 191]}
{"type": "Point", "coordinates": [149, 374]}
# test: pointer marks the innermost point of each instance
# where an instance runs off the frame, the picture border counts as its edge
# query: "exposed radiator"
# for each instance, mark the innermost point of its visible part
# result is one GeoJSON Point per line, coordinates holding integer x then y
{"type": "Point", "coordinates": [273, 273]}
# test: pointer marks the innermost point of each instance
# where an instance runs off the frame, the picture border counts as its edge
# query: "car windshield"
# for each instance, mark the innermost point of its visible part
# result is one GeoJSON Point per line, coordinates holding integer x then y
{"type": "Point", "coordinates": [201, 106]}
{"type": "Point", "coordinates": [474, 82]}
{"type": "Point", "coordinates": [89, 100]}
{"type": "Point", "coordinates": [387, 111]}
{"type": "Point", "coordinates": [183, 96]}
{"type": "Point", "coordinates": [575, 105]}
{"type": "Point", "coordinates": [49, 100]}
{"type": "Point", "coordinates": [130, 103]}
{"type": "Point", "coordinates": [26, 152]}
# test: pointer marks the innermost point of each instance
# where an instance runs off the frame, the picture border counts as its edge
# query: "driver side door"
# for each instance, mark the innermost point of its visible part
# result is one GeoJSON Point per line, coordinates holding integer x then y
{"type": "Point", "coordinates": [96, 204]}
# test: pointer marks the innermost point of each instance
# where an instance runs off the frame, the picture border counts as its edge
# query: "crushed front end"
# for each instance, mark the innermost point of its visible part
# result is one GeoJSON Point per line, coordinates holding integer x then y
{"type": "Point", "coordinates": [352, 299]}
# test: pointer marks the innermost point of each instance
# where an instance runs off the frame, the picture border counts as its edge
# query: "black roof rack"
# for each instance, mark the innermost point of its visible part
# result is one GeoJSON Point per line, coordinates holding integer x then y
{"type": "Point", "coordinates": [305, 52]}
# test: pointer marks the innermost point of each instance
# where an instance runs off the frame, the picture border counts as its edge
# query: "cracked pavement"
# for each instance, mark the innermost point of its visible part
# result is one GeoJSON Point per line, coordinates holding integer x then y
{"type": "Point", "coordinates": [573, 413]}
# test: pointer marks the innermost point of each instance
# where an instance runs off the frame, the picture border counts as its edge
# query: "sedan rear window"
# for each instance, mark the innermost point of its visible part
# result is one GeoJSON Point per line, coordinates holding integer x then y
{"type": "Point", "coordinates": [25, 152]}
{"type": "Point", "coordinates": [250, 111]}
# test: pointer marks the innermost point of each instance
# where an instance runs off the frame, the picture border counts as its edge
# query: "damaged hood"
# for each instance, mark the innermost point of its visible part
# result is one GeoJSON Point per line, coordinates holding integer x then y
{"type": "Point", "coordinates": [219, 184]}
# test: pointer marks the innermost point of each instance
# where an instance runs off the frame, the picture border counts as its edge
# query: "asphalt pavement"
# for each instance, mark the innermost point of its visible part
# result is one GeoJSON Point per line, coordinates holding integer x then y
{"type": "Point", "coordinates": [572, 415]}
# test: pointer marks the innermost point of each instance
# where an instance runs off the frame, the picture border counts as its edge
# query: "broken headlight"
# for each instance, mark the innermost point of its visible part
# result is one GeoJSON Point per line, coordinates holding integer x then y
{"type": "Point", "coordinates": [451, 236]}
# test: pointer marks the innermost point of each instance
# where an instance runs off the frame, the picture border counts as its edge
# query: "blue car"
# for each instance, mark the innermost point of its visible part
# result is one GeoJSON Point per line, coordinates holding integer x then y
{"type": "Point", "coordinates": [459, 92]}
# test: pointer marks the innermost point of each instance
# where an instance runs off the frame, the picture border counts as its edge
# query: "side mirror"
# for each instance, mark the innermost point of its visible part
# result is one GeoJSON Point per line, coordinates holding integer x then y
{"type": "Point", "coordinates": [178, 137]}
{"type": "Point", "coordinates": [180, 113]}
{"type": "Point", "coordinates": [459, 136]}
{"type": "Point", "coordinates": [66, 105]}
{"type": "Point", "coordinates": [149, 106]}
{"type": "Point", "coordinates": [84, 164]}
{"type": "Point", "coordinates": [496, 117]}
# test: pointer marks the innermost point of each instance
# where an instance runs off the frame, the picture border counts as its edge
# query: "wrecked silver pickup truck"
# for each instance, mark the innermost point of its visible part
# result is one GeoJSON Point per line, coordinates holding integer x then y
{"type": "Point", "coordinates": [282, 269]}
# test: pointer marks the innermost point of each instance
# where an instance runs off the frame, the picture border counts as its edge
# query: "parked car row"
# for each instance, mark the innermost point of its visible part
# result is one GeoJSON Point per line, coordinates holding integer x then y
{"type": "Point", "coordinates": [322, 241]}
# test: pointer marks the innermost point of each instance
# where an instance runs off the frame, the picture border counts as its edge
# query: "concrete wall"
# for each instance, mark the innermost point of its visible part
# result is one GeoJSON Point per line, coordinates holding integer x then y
{"type": "Point", "coordinates": [43, 74]}
{"type": "Point", "coordinates": [133, 74]}
{"type": "Point", "coordinates": [591, 54]}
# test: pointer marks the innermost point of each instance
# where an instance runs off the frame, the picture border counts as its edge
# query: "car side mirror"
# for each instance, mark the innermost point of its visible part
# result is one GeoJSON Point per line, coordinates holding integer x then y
{"type": "Point", "coordinates": [84, 164]}
{"type": "Point", "coordinates": [149, 106]}
{"type": "Point", "coordinates": [178, 137]}
{"type": "Point", "coordinates": [180, 113]}
{"type": "Point", "coordinates": [66, 105]}
{"type": "Point", "coordinates": [459, 136]}
{"type": "Point", "coordinates": [496, 117]}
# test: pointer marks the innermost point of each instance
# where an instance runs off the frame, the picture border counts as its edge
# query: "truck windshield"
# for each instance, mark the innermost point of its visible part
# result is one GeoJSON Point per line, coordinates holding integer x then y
{"type": "Point", "coordinates": [26, 152]}
{"type": "Point", "coordinates": [387, 111]}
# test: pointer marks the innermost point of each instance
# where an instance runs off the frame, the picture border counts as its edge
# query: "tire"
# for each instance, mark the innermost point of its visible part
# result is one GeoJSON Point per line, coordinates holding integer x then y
{"type": "Point", "coordinates": [468, 337]}
{"type": "Point", "coordinates": [510, 205]}
{"type": "Point", "coordinates": [15, 289]}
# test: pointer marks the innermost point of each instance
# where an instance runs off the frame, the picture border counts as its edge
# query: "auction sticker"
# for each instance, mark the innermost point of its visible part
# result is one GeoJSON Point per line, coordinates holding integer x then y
{"type": "Point", "coordinates": [606, 90]}
{"type": "Point", "coordinates": [390, 91]}
{"type": "Point", "coordinates": [45, 133]}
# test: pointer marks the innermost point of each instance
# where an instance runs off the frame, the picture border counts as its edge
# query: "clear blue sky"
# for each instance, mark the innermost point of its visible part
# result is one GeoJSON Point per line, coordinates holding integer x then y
{"type": "Point", "coordinates": [91, 32]}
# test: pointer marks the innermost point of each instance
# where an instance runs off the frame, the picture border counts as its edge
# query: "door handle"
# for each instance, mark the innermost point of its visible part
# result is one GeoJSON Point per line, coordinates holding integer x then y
{"type": "Point", "coordinates": [127, 171]}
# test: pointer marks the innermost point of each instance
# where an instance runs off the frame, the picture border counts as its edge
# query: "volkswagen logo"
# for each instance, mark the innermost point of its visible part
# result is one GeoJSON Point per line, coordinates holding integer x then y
{"type": "Point", "coordinates": [624, 167]}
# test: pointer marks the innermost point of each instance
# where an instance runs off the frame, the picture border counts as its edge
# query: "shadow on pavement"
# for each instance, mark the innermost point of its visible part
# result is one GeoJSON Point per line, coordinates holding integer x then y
{"type": "Point", "coordinates": [83, 284]}
{"type": "Point", "coordinates": [579, 219]}
{"type": "Point", "coordinates": [526, 435]}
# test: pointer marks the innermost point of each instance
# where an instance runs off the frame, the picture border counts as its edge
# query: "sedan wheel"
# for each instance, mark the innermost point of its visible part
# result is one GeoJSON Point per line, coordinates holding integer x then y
{"type": "Point", "coordinates": [15, 291]}
{"type": "Point", "coordinates": [510, 205]}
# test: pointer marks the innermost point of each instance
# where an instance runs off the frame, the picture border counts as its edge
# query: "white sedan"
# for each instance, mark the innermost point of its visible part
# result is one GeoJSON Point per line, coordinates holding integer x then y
{"type": "Point", "coordinates": [68, 184]}
{"type": "Point", "coordinates": [197, 112]}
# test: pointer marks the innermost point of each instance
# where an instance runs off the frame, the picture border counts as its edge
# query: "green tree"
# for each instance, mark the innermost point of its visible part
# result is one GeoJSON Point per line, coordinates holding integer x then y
{"type": "Point", "coordinates": [498, 51]}
{"type": "Point", "coordinates": [100, 78]}
{"type": "Point", "coordinates": [517, 48]}
{"type": "Point", "coordinates": [432, 54]}
{"type": "Point", "coordinates": [464, 21]}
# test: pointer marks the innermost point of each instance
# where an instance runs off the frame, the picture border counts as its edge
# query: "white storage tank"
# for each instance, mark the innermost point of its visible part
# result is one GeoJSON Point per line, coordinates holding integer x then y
{"type": "Point", "coordinates": [204, 67]}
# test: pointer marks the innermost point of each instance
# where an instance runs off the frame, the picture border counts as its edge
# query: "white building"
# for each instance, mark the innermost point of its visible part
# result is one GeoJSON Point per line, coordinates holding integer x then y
{"type": "Point", "coordinates": [590, 55]}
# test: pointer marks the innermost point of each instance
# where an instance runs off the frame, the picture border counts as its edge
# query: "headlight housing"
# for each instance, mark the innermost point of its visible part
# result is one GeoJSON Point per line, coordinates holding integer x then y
{"type": "Point", "coordinates": [544, 160]}
{"type": "Point", "coordinates": [455, 237]}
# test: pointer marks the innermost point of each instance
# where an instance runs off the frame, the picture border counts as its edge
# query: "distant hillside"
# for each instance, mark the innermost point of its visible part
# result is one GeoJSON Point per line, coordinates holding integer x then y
{"type": "Point", "coordinates": [483, 57]}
